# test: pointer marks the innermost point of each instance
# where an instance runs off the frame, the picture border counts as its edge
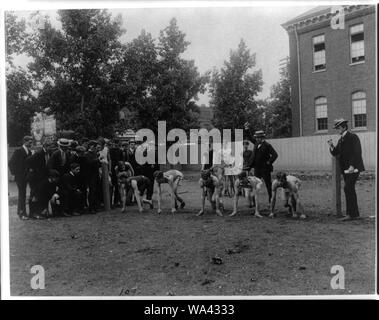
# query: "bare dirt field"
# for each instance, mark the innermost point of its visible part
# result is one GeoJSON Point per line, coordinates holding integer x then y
{"type": "Point", "coordinates": [148, 254]}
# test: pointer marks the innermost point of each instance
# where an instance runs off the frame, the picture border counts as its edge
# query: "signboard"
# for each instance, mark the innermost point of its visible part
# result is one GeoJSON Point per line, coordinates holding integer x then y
{"type": "Point", "coordinates": [43, 126]}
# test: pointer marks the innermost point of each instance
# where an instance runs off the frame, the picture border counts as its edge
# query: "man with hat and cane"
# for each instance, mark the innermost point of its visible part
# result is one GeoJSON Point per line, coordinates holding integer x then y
{"type": "Point", "coordinates": [349, 153]}
{"type": "Point", "coordinates": [264, 156]}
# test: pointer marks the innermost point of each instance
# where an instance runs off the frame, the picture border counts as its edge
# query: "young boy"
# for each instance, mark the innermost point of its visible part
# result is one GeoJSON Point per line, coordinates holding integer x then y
{"type": "Point", "coordinates": [138, 184]}
{"type": "Point", "coordinates": [211, 186]}
{"type": "Point", "coordinates": [172, 178]}
{"type": "Point", "coordinates": [252, 185]}
{"type": "Point", "coordinates": [291, 186]}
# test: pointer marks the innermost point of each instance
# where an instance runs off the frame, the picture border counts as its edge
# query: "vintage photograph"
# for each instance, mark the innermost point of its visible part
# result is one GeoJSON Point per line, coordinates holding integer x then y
{"type": "Point", "coordinates": [190, 151]}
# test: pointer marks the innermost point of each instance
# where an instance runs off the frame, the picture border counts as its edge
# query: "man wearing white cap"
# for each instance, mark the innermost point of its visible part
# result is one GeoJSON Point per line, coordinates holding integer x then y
{"type": "Point", "coordinates": [349, 152]}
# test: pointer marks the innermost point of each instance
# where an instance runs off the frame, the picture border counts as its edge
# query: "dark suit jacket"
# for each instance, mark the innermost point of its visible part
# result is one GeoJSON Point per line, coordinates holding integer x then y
{"type": "Point", "coordinates": [69, 184]}
{"type": "Point", "coordinates": [349, 152]}
{"type": "Point", "coordinates": [55, 162]}
{"type": "Point", "coordinates": [248, 158]}
{"type": "Point", "coordinates": [45, 191]}
{"type": "Point", "coordinates": [264, 156]}
{"type": "Point", "coordinates": [38, 165]}
{"type": "Point", "coordinates": [18, 164]}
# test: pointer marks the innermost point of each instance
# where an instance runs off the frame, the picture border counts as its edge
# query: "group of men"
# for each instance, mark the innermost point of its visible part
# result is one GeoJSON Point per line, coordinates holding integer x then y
{"type": "Point", "coordinates": [65, 179]}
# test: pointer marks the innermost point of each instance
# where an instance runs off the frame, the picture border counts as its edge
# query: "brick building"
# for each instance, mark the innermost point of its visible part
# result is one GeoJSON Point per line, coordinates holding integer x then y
{"type": "Point", "coordinates": [333, 71]}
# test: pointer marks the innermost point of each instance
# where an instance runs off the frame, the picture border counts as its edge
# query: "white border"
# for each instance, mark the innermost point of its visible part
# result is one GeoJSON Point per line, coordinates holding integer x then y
{"type": "Point", "coordinates": [46, 5]}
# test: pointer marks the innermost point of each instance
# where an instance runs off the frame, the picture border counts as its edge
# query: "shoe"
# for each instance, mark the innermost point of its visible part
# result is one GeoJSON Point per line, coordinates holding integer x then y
{"type": "Point", "coordinates": [65, 214]}
{"type": "Point", "coordinates": [271, 215]}
{"type": "Point", "coordinates": [182, 205]}
{"type": "Point", "coordinates": [76, 213]}
{"type": "Point", "coordinates": [257, 215]}
{"type": "Point", "coordinates": [218, 212]}
{"type": "Point", "coordinates": [201, 212]}
{"type": "Point", "coordinates": [24, 218]}
{"type": "Point", "coordinates": [233, 214]}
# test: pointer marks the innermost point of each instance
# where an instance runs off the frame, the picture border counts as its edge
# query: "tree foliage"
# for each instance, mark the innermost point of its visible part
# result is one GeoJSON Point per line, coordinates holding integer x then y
{"type": "Point", "coordinates": [73, 66]}
{"type": "Point", "coordinates": [84, 74]}
{"type": "Point", "coordinates": [234, 89]}
{"type": "Point", "coordinates": [278, 116]}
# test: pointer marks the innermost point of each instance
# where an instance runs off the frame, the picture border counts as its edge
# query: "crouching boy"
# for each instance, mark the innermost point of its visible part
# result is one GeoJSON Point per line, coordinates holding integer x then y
{"type": "Point", "coordinates": [172, 178]}
{"type": "Point", "coordinates": [290, 185]}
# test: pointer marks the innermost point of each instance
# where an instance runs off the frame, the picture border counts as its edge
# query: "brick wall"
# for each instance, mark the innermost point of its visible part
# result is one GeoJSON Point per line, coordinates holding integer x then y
{"type": "Point", "coordinates": [339, 80]}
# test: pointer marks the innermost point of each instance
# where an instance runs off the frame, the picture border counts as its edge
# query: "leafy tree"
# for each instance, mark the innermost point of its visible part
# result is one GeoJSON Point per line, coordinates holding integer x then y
{"type": "Point", "coordinates": [177, 84]}
{"type": "Point", "coordinates": [20, 105]}
{"type": "Point", "coordinates": [73, 67]}
{"type": "Point", "coordinates": [19, 84]}
{"type": "Point", "coordinates": [233, 91]}
{"type": "Point", "coordinates": [15, 34]}
{"type": "Point", "coordinates": [278, 108]}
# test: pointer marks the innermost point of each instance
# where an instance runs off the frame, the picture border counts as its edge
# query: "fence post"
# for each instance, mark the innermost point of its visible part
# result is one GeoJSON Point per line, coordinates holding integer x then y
{"type": "Point", "coordinates": [336, 184]}
{"type": "Point", "coordinates": [106, 193]}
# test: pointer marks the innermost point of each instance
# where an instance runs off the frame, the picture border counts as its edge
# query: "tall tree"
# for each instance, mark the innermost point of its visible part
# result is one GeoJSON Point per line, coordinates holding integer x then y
{"type": "Point", "coordinates": [19, 84]}
{"type": "Point", "coordinates": [73, 66]}
{"type": "Point", "coordinates": [234, 89]}
{"type": "Point", "coordinates": [278, 116]}
{"type": "Point", "coordinates": [177, 84]}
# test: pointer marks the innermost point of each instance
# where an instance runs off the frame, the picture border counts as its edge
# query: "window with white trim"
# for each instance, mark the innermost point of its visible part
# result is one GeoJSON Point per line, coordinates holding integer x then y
{"type": "Point", "coordinates": [357, 43]}
{"type": "Point", "coordinates": [319, 60]}
{"type": "Point", "coordinates": [359, 109]}
{"type": "Point", "coordinates": [321, 108]}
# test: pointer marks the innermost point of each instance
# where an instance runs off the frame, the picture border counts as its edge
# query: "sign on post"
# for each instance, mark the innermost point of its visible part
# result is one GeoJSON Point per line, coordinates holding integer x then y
{"type": "Point", "coordinates": [336, 184]}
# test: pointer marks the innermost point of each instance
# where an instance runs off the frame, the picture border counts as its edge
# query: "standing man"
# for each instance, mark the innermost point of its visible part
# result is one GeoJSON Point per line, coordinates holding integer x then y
{"type": "Point", "coordinates": [264, 157]}
{"type": "Point", "coordinates": [91, 165]}
{"type": "Point", "coordinates": [349, 153]}
{"type": "Point", "coordinates": [19, 168]}
{"type": "Point", "coordinates": [60, 159]}
{"type": "Point", "coordinates": [39, 172]}
{"type": "Point", "coordinates": [248, 157]}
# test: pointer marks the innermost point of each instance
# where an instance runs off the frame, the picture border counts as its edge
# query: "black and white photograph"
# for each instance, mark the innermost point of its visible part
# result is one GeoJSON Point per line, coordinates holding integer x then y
{"type": "Point", "coordinates": [180, 150]}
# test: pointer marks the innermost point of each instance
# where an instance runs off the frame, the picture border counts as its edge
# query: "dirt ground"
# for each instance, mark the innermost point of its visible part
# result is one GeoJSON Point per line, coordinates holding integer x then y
{"type": "Point", "coordinates": [148, 254]}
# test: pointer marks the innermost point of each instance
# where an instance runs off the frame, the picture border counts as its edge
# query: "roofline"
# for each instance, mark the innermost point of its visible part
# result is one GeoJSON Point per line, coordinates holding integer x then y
{"type": "Point", "coordinates": [322, 15]}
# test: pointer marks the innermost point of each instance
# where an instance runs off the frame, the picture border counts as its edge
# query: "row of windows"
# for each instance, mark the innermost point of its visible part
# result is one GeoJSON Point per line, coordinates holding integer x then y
{"type": "Point", "coordinates": [358, 109]}
{"type": "Point", "coordinates": [357, 48]}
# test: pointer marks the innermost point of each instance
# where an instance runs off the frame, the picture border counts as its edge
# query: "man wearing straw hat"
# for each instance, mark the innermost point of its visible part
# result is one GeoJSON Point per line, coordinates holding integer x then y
{"type": "Point", "coordinates": [349, 153]}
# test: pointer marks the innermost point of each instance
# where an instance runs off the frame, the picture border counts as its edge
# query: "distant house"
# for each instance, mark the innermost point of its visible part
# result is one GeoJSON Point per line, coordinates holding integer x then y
{"type": "Point", "coordinates": [332, 71]}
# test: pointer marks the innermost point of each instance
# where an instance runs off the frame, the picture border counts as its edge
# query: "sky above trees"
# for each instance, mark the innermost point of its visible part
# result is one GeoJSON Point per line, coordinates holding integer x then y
{"type": "Point", "coordinates": [213, 32]}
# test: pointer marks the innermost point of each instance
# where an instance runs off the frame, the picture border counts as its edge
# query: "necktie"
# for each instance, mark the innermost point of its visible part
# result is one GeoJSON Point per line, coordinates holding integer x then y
{"type": "Point", "coordinates": [63, 158]}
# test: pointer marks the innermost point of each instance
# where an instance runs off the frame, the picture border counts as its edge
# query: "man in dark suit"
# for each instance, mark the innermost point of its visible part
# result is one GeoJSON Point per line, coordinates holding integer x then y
{"type": "Point", "coordinates": [60, 159]}
{"type": "Point", "coordinates": [72, 196]}
{"type": "Point", "coordinates": [91, 175]}
{"type": "Point", "coordinates": [47, 198]}
{"type": "Point", "coordinates": [349, 153]}
{"type": "Point", "coordinates": [116, 155]}
{"type": "Point", "coordinates": [38, 172]}
{"type": "Point", "coordinates": [131, 158]}
{"type": "Point", "coordinates": [19, 168]}
{"type": "Point", "coordinates": [264, 157]}
{"type": "Point", "coordinates": [248, 157]}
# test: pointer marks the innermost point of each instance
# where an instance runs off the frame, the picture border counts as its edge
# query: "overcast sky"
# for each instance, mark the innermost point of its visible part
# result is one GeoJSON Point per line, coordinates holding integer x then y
{"type": "Point", "coordinates": [212, 32]}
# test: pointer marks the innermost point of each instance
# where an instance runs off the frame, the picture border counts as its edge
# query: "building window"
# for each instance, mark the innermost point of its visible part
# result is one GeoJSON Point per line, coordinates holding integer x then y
{"type": "Point", "coordinates": [357, 43]}
{"type": "Point", "coordinates": [319, 53]}
{"type": "Point", "coordinates": [321, 114]}
{"type": "Point", "coordinates": [359, 109]}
